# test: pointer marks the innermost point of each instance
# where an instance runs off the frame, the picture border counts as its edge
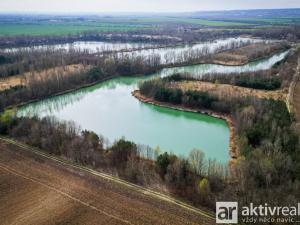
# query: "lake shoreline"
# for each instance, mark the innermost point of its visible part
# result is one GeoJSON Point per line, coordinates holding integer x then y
{"type": "Point", "coordinates": [178, 65]}
{"type": "Point", "coordinates": [234, 153]}
{"type": "Point", "coordinates": [62, 92]}
{"type": "Point", "coordinates": [233, 149]}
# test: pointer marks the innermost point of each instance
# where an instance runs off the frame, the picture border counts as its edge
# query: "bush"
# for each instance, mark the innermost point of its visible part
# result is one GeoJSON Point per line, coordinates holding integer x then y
{"type": "Point", "coordinates": [93, 138]}
{"type": "Point", "coordinates": [204, 186]}
{"type": "Point", "coordinates": [199, 99]}
{"type": "Point", "coordinates": [121, 151]}
{"type": "Point", "coordinates": [174, 77]}
{"type": "Point", "coordinates": [94, 74]}
{"type": "Point", "coordinates": [271, 79]}
{"type": "Point", "coordinates": [4, 59]}
{"type": "Point", "coordinates": [163, 161]}
{"type": "Point", "coordinates": [259, 83]}
{"type": "Point", "coordinates": [6, 120]}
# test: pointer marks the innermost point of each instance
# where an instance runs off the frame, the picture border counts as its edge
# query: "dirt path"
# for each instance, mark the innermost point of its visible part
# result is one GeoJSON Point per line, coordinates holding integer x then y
{"type": "Point", "coordinates": [41, 190]}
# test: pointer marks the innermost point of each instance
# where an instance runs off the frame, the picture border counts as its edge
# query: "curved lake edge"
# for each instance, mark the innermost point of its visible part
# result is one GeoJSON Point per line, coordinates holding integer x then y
{"type": "Point", "coordinates": [211, 61]}
{"type": "Point", "coordinates": [233, 149]}
{"type": "Point", "coordinates": [219, 63]}
{"type": "Point", "coordinates": [231, 158]}
{"type": "Point", "coordinates": [62, 92]}
{"type": "Point", "coordinates": [185, 64]}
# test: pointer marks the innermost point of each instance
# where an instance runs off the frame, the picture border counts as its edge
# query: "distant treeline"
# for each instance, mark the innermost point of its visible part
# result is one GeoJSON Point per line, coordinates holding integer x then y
{"type": "Point", "coordinates": [146, 36]}
{"type": "Point", "coordinates": [35, 59]}
{"type": "Point", "coordinates": [166, 34]}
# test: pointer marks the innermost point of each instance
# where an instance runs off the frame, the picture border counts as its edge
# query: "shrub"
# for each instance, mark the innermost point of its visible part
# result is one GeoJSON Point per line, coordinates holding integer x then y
{"type": "Point", "coordinates": [199, 99]}
{"type": "Point", "coordinates": [94, 74]}
{"type": "Point", "coordinates": [163, 161]}
{"type": "Point", "coordinates": [93, 138]}
{"type": "Point", "coordinates": [259, 83]}
{"type": "Point", "coordinates": [204, 186]}
{"type": "Point", "coordinates": [121, 151]}
{"type": "Point", "coordinates": [6, 120]}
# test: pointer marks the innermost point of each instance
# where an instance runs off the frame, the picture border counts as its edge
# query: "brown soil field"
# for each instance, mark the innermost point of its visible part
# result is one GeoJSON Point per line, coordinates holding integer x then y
{"type": "Point", "coordinates": [21, 79]}
{"type": "Point", "coordinates": [35, 190]}
{"type": "Point", "coordinates": [223, 90]}
{"type": "Point", "coordinates": [245, 54]}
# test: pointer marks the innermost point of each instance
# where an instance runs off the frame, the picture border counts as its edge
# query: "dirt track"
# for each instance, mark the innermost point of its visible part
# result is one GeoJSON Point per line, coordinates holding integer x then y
{"type": "Point", "coordinates": [35, 190]}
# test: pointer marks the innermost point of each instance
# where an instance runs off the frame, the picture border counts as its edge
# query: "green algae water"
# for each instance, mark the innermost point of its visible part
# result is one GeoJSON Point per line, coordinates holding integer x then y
{"type": "Point", "coordinates": [109, 109]}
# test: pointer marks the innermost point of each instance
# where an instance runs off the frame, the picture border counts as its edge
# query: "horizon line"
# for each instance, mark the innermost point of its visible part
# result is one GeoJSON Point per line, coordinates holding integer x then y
{"type": "Point", "coordinates": [139, 12]}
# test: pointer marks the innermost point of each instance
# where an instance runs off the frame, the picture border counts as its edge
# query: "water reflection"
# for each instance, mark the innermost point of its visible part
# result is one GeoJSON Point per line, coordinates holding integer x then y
{"type": "Point", "coordinates": [109, 109]}
{"type": "Point", "coordinates": [198, 70]}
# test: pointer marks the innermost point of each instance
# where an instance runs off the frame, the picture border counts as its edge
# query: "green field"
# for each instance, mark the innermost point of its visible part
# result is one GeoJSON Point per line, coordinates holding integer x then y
{"type": "Point", "coordinates": [204, 22]}
{"type": "Point", "coordinates": [63, 29]}
{"type": "Point", "coordinates": [105, 24]}
{"type": "Point", "coordinates": [195, 21]}
{"type": "Point", "coordinates": [283, 21]}
{"type": "Point", "coordinates": [64, 26]}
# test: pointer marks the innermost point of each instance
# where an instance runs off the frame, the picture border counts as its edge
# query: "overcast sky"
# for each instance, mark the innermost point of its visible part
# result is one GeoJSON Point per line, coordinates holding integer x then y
{"type": "Point", "coordinates": [139, 5]}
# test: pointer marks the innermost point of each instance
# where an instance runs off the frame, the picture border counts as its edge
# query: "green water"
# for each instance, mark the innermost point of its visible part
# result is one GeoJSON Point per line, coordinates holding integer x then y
{"type": "Point", "coordinates": [109, 109]}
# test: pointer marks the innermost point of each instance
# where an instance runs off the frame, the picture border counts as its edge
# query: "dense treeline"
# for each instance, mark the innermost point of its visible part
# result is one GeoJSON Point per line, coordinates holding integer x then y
{"type": "Point", "coordinates": [167, 34]}
{"type": "Point", "coordinates": [269, 164]}
{"type": "Point", "coordinates": [36, 59]}
{"type": "Point", "coordinates": [279, 76]}
{"type": "Point", "coordinates": [36, 88]}
{"type": "Point", "coordinates": [291, 33]}
{"type": "Point", "coordinates": [195, 179]}
{"type": "Point", "coordinates": [264, 79]}
{"type": "Point", "coordinates": [252, 52]}
{"type": "Point", "coordinates": [56, 81]}
{"type": "Point", "coordinates": [160, 90]}
{"type": "Point", "coordinates": [33, 60]}
{"type": "Point", "coordinates": [157, 36]}
{"type": "Point", "coordinates": [267, 139]}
